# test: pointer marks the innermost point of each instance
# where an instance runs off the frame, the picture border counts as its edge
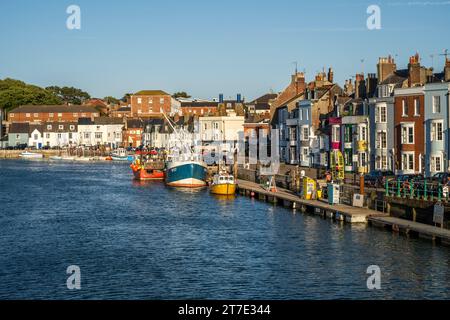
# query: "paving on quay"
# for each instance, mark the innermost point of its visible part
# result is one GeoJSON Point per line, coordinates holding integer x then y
{"type": "Point", "coordinates": [346, 213]}
{"type": "Point", "coordinates": [341, 212]}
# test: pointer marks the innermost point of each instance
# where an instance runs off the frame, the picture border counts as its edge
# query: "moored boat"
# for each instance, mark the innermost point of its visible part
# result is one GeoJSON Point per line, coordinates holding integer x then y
{"type": "Point", "coordinates": [31, 155]}
{"type": "Point", "coordinates": [186, 174]}
{"type": "Point", "coordinates": [223, 184]}
{"type": "Point", "coordinates": [145, 174]}
{"type": "Point", "coordinates": [121, 155]}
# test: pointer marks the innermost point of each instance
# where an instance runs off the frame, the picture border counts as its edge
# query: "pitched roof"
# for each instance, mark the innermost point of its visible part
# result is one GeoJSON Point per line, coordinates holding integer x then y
{"type": "Point", "coordinates": [135, 123]}
{"type": "Point", "coordinates": [107, 120]}
{"type": "Point", "coordinates": [54, 109]}
{"type": "Point", "coordinates": [397, 77]}
{"type": "Point", "coordinates": [151, 93]}
{"type": "Point", "coordinates": [19, 128]}
{"type": "Point", "coordinates": [60, 127]}
{"type": "Point", "coordinates": [264, 99]}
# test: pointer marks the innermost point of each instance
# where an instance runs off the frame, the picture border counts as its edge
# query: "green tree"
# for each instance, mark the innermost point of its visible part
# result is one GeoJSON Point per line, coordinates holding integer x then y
{"type": "Point", "coordinates": [69, 94]}
{"type": "Point", "coordinates": [111, 100]}
{"type": "Point", "coordinates": [14, 93]}
{"type": "Point", "coordinates": [181, 94]}
{"type": "Point", "coordinates": [126, 96]}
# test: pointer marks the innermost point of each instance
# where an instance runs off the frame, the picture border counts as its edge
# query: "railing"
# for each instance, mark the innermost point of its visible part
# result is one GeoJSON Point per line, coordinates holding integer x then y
{"type": "Point", "coordinates": [418, 190]}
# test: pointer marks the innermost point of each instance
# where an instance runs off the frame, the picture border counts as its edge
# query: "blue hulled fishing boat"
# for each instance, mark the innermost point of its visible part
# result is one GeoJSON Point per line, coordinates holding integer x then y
{"type": "Point", "coordinates": [186, 174]}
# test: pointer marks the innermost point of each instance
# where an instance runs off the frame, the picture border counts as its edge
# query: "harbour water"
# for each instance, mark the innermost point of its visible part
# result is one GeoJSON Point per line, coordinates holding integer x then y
{"type": "Point", "coordinates": [145, 241]}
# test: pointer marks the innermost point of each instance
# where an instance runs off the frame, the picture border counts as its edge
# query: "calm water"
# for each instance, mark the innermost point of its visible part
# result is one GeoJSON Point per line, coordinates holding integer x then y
{"type": "Point", "coordinates": [145, 241]}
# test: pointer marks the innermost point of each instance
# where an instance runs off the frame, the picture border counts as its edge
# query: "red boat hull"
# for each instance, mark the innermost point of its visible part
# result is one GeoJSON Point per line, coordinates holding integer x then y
{"type": "Point", "coordinates": [147, 174]}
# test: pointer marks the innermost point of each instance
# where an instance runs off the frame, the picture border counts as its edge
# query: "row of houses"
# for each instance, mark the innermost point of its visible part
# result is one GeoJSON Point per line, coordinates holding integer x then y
{"type": "Point", "coordinates": [396, 120]}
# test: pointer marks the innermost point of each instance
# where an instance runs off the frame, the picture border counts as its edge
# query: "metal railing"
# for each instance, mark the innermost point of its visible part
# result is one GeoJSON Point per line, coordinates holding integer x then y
{"type": "Point", "coordinates": [418, 190]}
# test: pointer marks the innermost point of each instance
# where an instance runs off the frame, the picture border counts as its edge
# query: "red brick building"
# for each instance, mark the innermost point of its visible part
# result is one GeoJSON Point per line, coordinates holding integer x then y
{"type": "Point", "coordinates": [56, 113]}
{"type": "Point", "coordinates": [409, 130]}
{"type": "Point", "coordinates": [199, 108]}
{"type": "Point", "coordinates": [132, 134]}
{"type": "Point", "coordinates": [149, 103]}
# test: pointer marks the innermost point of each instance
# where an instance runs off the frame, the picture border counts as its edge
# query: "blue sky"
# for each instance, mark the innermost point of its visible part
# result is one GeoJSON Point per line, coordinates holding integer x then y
{"type": "Point", "coordinates": [210, 47]}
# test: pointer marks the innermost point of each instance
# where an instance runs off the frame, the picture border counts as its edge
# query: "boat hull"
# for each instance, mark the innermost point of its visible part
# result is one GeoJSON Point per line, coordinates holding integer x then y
{"type": "Point", "coordinates": [186, 175]}
{"type": "Point", "coordinates": [147, 175]}
{"type": "Point", "coordinates": [224, 189]}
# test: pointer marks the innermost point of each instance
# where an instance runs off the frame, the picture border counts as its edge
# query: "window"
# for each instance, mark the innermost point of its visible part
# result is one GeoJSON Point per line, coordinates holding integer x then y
{"type": "Point", "coordinates": [75, 115]}
{"type": "Point", "coordinates": [51, 115]}
{"type": "Point", "coordinates": [61, 127]}
{"type": "Point", "coordinates": [436, 104]}
{"type": "Point", "coordinates": [98, 135]}
{"type": "Point", "coordinates": [27, 115]}
{"type": "Point", "coordinates": [301, 114]}
{"type": "Point", "coordinates": [305, 133]}
{"type": "Point", "coordinates": [381, 163]}
{"type": "Point", "coordinates": [404, 108]}
{"type": "Point", "coordinates": [72, 127]}
{"type": "Point", "coordinates": [150, 100]}
{"type": "Point", "coordinates": [416, 107]}
{"type": "Point", "coordinates": [36, 137]}
{"type": "Point", "coordinates": [60, 115]}
{"type": "Point", "coordinates": [70, 135]}
{"type": "Point", "coordinates": [11, 115]}
{"type": "Point", "coordinates": [362, 159]}
{"type": "Point", "coordinates": [161, 100]}
{"type": "Point", "coordinates": [47, 135]}
{"type": "Point", "coordinates": [216, 125]}
{"type": "Point", "coordinates": [87, 135]}
{"type": "Point", "coordinates": [382, 115]}
{"type": "Point", "coordinates": [336, 134]}
{"type": "Point", "coordinates": [381, 140]}
{"type": "Point", "coordinates": [436, 131]}
{"type": "Point", "coordinates": [59, 135]}
{"type": "Point", "coordinates": [293, 133]}
{"type": "Point", "coordinates": [49, 127]}
{"type": "Point", "coordinates": [436, 164]}
{"type": "Point", "coordinates": [408, 134]}
{"type": "Point", "coordinates": [36, 115]}
{"type": "Point", "coordinates": [139, 100]}
{"type": "Point", "coordinates": [307, 114]}
{"type": "Point", "coordinates": [408, 161]}
{"type": "Point", "coordinates": [305, 154]}
{"type": "Point", "coordinates": [362, 133]}
{"type": "Point", "coordinates": [83, 115]}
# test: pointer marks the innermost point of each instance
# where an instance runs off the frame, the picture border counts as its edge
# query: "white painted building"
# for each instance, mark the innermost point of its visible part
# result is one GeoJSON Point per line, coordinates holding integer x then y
{"type": "Point", "coordinates": [58, 134]}
{"type": "Point", "coordinates": [213, 129]}
{"type": "Point", "coordinates": [102, 131]}
{"type": "Point", "coordinates": [36, 138]}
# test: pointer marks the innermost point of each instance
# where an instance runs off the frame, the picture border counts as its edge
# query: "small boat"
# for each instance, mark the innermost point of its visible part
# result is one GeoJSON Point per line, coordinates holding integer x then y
{"type": "Point", "coordinates": [83, 159]}
{"type": "Point", "coordinates": [147, 170]}
{"type": "Point", "coordinates": [223, 184]}
{"type": "Point", "coordinates": [144, 174]}
{"type": "Point", "coordinates": [55, 158]}
{"type": "Point", "coordinates": [31, 155]}
{"type": "Point", "coordinates": [121, 155]}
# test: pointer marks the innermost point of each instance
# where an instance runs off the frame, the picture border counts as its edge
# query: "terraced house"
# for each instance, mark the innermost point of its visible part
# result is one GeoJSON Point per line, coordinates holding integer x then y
{"type": "Point", "coordinates": [52, 113]}
{"type": "Point", "coordinates": [436, 128]}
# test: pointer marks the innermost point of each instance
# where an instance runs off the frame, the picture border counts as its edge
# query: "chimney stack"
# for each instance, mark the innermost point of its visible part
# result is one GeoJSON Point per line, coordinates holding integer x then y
{"type": "Point", "coordinates": [385, 67]}
{"type": "Point", "coordinates": [330, 75]}
{"type": "Point", "coordinates": [447, 70]}
{"type": "Point", "coordinates": [416, 76]}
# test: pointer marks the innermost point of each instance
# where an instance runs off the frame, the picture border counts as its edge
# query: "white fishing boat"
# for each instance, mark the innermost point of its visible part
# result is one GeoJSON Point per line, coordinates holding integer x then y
{"type": "Point", "coordinates": [31, 155]}
{"type": "Point", "coordinates": [185, 167]}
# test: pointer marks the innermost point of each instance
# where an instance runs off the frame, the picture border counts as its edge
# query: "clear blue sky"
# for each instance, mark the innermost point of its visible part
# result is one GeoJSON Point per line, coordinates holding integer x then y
{"type": "Point", "coordinates": [209, 47]}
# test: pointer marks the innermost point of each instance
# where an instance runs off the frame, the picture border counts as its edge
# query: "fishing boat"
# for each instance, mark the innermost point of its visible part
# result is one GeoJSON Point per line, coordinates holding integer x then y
{"type": "Point", "coordinates": [145, 171]}
{"type": "Point", "coordinates": [223, 184]}
{"type": "Point", "coordinates": [186, 173]}
{"type": "Point", "coordinates": [31, 155]}
{"type": "Point", "coordinates": [121, 155]}
{"type": "Point", "coordinates": [184, 167]}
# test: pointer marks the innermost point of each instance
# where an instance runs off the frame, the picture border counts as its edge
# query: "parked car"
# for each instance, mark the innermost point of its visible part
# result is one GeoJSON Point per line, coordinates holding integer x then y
{"type": "Point", "coordinates": [377, 178]}
{"type": "Point", "coordinates": [441, 177]}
